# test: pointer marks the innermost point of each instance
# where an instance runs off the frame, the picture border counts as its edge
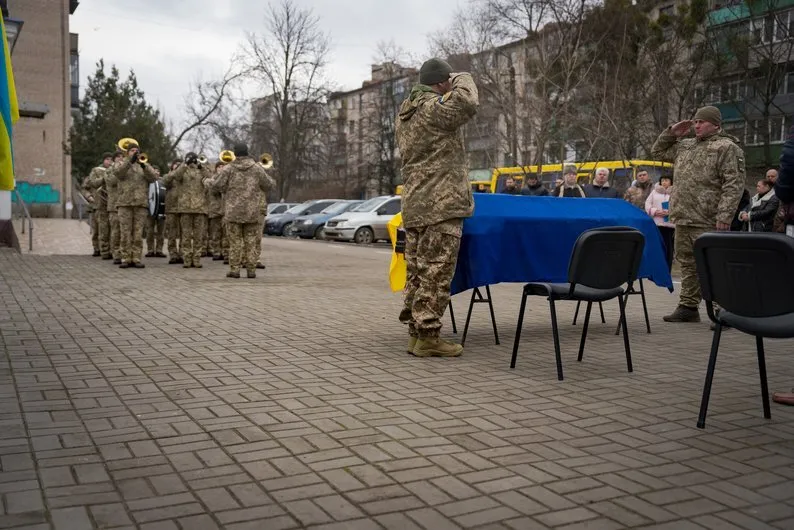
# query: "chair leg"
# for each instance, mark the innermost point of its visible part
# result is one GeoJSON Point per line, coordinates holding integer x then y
{"type": "Point", "coordinates": [626, 345]}
{"type": "Point", "coordinates": [576, 313]}
{"type": "Point", "coordinates": [468, 318]}
{"type": "Point", "coordinates": [493, 315]}
{"type": "Point", "coordinates": [518, 330]}
{"type": "Point", "coordinates": [584, 330]}
{"type": "Point", "coordinates": [601, 309]}
{"type": "Point", "coordinates": [759, 341]}
{"type": "Point", "coordinates": [556, 333]}
{"type": "Point", "coordinates": [645, 307]}
{"type": "Point", "coordinates": [452, 317]}
{"type": "Point", "coordinates": [704, 402]}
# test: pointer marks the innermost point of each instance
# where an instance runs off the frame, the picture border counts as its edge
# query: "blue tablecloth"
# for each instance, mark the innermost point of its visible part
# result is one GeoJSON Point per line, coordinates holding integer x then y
{"type": "Point", "coordinates": [530, 239]}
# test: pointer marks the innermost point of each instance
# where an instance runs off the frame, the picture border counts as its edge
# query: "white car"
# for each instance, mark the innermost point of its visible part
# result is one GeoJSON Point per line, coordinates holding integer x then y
{"type": "Point", "coordinates": [365, 223]}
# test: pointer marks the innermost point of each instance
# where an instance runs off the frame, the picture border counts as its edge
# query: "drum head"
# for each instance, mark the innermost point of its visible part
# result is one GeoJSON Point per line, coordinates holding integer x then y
{"type": "Point", "coordinates": [156, 199]}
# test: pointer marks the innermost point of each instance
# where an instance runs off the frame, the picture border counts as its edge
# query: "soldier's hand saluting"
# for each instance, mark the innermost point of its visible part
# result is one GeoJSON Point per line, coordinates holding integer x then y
{"type": "Point", "coordinates": [682, 128]}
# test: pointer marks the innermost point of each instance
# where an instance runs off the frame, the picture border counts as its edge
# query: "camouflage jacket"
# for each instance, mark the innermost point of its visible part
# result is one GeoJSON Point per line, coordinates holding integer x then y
{"type": "Point", "coordinates": [172, 188]}
{"type": "Point", "coordinates": [134, 179]}
{"type": "Point", "coordinates": [637, 194]}
{"type": "Point", "coordinates": [94, 185]}
{"type": "Point", "coordinates": [214, 201]}
{"type": "Point", "coordinates": [112, 187]}
{"type": "Point", "coordinates": [430, 138]}
{"type": "Point", "coordinates": [708, 175]}
{"type": "Point", "coordinates": [242, 183]}
{"type": "Point", "coordinates": [192, 194]}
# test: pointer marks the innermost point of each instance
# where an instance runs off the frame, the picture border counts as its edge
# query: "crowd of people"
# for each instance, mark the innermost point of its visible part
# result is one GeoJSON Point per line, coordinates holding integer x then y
{"type": "Point", "coordinates": [211, 209]}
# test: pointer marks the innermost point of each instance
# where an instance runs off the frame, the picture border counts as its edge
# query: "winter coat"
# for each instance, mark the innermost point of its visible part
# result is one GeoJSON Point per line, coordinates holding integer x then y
{"type": "Point", "coordinates": [762, 210]}
{"type": "Point", "coordinates": [564, 191]}
{"type": "Point", "coordinates": [638, 193]}
{"type": "Point", "coordinates": [538, 190]}
{"type": "Point", "coordinates": [594, 191]}
{"type": "Point", "coordinates": [654, 205]}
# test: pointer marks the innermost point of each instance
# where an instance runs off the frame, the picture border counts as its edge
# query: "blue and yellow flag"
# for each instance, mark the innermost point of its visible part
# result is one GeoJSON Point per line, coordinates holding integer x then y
{"type": "Point", "coordinates": [9, 114]}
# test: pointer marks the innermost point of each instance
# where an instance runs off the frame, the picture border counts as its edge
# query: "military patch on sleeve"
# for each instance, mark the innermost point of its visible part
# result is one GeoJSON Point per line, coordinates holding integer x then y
{"type": "Point", "coordinates": [443, 99]}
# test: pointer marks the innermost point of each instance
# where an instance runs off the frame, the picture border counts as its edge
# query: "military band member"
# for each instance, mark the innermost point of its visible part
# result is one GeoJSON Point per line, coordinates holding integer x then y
{"type": "Point", "coordinates": [94, 184]}
{"type": "Point", "coordinates": [134, 178]}
{"type": "Point", "coordinates": [155, 228]}
{"type": "Point", "coordinates": [172, 229]}
{"type": "Point", "coordinates": [192, 203]}
{"type": "Point", "coordinates": [112, 189]}
{"type": "Point", "coordinates": [88, 193]}
{"type": "Point", "coordinates": [242, 182]}
{"type": "Point", "coordinates": [215, 215]}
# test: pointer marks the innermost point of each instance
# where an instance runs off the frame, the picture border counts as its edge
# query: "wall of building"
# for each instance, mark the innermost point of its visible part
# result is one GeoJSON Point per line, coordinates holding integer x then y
{"type": "Point", "coordinates": [41, 69]}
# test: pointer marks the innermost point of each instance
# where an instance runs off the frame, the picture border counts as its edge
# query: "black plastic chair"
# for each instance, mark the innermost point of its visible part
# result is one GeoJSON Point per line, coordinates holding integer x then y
{"type": "Point", "coordinates": [602, 262]}
{"type": "Point", "coordinates": [750, 277]}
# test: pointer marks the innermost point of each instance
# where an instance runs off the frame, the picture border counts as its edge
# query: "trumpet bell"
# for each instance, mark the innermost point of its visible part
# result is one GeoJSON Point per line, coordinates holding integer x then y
{"type": "Point", "coordinates": [266, 160]}
{"type": "Point", "coordinates": [143, 158]}
{"type": "Point", "coordinates": [202, 159]}
{"type": "Point", "coordinates": [226, 156]}
{"type": "Point", "coordinates": [126, 143]}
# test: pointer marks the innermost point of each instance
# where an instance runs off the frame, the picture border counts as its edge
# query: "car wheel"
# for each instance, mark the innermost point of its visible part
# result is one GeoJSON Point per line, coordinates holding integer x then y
{"type": "Point", "coordinates": [287, 230]}
{"type": "Point", "coordinates": [320, 232]}
{"type": "Point", "coordinates": [364, 236]}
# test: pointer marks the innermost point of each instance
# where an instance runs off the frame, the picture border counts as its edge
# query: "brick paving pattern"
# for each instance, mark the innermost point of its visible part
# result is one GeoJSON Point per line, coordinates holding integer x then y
{"type": "Point", "coordinates": [167, 398]}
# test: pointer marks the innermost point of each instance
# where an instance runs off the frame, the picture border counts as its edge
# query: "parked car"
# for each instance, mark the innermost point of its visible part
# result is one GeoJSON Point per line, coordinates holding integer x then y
{"type": "Point", "coordinates": [275, 225]}
{"type": "Point", "coordinates": [279, 207]}
{"type": "Point", "coordinates": [365, 223]}
{"type": "Point", "coordinates": [313, 225]}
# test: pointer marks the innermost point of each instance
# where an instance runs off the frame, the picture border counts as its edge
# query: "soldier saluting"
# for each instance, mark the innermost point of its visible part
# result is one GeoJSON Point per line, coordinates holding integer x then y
{"type": "Point", "coordinates": [436, 198]}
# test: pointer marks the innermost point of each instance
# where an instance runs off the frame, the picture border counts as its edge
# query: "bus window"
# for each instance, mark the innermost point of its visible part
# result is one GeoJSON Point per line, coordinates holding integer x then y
{"type": "Point", "coordinates": [550, 179]}
{"type": "Point", "coordinates": [622, 178]}
{"type": "Point", "coordinates": [500, 181]}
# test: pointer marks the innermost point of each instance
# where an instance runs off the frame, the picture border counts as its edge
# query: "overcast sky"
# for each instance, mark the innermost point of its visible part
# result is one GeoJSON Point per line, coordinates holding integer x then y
{"type": "Point", "coordinates": [170, 43]}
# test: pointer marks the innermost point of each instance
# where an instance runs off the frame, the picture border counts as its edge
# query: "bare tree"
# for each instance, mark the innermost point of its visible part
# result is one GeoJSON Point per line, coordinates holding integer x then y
{"type": "Point", "coordinates": [288, 60]}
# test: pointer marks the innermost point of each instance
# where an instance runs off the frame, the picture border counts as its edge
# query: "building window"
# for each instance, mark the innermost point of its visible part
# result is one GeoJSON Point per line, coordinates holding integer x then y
{"type": "Point", "coordinates": [790, 83]}
{"type": "Point", "coordinates": [776, 133]}
{"type": "Point", "coordinates": [735, 128]}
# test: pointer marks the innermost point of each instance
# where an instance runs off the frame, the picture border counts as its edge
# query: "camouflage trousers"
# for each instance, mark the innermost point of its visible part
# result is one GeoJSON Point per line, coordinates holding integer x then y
{"type": "Point", "coordinates": [243, 245]}
{"type": "Point", "coordinates": [155, 228]}
{"type": "Point", "coordinates": [225, 240]}
{"type": "Point", "coordinates": [115, 234]}
{"type": "Point", "coordinates": [95, 231]}
{"type": "Point", "coordinates": [193, 226]}
{"type": "Point", "coordinates": [102, 222]}
{"type": "Point", "coordinates": [259, 240]}
{"type": "Point", "coordinates": [685, 237]}
{"type": "Point", "coordinates": [173, 233]}
{"type": "Point", "coordinates": [215, 230]}
{"type": "Point", "coordinates": [131, 221]}
{"type": "Point", "coordinates": [431, 253]}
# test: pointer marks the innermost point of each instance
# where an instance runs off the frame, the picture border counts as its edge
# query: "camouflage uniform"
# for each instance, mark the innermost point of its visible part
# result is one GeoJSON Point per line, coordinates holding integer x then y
{"type": "Point", "coordinates": [242, 183]}
{"type": "Point", "coordinates": [215, 224]}
{"type": "Point", "coordinates": [93, 221]}
{"type": "Point", "coordinates": [95, 184]}
{"type": "Point", "coordinates": [192, 205]}
{"type": "Point", "coordinates": [436, 197]}
{"type": "Point", "coordinates": [262, 216]}
{"type": "Point", "coordinates": [155, 233]}
{"type": "Point", "coordinates": [709, 178]}
{"type": "Point", "coordinates": [172, 228]}
{"type": "Point", "coordinates": [638, 194]}
{"type": "Point", "coordinates": [112, 187]}
{"type": "Point", "coordinates": [133, 206]}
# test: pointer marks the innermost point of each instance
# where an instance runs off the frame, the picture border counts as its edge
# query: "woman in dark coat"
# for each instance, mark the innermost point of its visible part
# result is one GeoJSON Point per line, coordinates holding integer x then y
{"type": "Point", "coordinates": [759, 215]}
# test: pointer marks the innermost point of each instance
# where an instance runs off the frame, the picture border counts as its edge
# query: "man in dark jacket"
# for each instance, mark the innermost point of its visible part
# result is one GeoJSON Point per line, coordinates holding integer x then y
{"type": "Point", "coordinates": [510, 187]}
{"type": "Point", "coordinates": [534, 188]}
{"type": "Point", "coordinates": [600, 189]}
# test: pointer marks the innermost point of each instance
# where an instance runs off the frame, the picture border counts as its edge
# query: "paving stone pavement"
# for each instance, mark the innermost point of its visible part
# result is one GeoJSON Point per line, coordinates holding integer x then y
{"type": "Point", "coordinates": [167, 398]}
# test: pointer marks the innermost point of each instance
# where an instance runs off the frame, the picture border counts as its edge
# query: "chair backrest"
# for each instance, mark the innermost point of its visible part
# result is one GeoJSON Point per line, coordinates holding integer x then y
{"type": "Point", "coordinates": [748, 274]}
{"type": "Point", "coordinates": [606, 258]}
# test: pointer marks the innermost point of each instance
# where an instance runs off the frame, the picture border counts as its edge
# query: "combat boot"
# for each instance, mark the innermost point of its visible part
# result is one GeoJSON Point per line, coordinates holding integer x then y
{"type": "Point", "coordinates": [232, 274]}
{"type": "Point", "coordinates": [107, 256]}
{"type": "Point", "coordinates": [683, 313]}
{"type": "Point", "coordinates": [116, 261]}
{"type": "Point", "coordinates": [412, 344]}
{"type": "Point", "coordinates": [436, 347]}
{"type": "Point", "coordinates": [124, 265]}
{"type": "Point", "coordinates": [260, 265]}
{"type": "Point", "coordinates": [96, 254]}
{"type": "Point", "coordinates": [252, 274]}
{"type": "Point", "coordinates": [138, 265]}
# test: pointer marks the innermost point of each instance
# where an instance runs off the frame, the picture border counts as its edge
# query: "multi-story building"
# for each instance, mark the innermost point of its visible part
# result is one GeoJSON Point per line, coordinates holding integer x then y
{"type": "Point", "coordinates": [364, 159]}
{"type": "Point", "coordinates": [45, 61]}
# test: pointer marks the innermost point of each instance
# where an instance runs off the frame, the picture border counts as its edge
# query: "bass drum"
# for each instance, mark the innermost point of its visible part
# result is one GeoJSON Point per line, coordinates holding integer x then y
{"type": "Point", "coordinates": [157, 199]}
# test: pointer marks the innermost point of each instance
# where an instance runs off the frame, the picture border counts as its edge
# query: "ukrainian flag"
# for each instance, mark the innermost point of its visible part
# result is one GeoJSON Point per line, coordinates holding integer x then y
{"type": "Point", "coordinates": [9, 114]}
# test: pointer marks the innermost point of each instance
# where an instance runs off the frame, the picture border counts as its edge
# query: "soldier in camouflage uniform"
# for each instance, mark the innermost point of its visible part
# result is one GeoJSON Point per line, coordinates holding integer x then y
{"type": "Point", "coordinates": [94, 184]}
{"type": "Point", "coordinates": [215, 215]}
{"type": "Point", "coordinates": [436, 198]}
{"type": "Point", "coordinates": [242, 183]}
{"type": "Point", "coordinates": [172, 229]}
{"type": "Point", "coordinates": [134, 178]}
{"type": "Point", "coordinates": [112, 189]}
{"type": "Point", "coordinates": [155, 231]}
{"type": "Point", "coordinates": [262, 216]}
{"type": "Point", "coordinates": [709, 180]}
{"type": "Point", "coordinates": [93, 220]}
{"type": "Point", "coordinates": [192, 205]}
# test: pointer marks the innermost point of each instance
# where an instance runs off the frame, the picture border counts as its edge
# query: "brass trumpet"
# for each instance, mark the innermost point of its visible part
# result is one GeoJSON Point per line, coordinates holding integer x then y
{"type": "Point", "coordinates": [143, 158]}
{"type": "Point", "coordinates": [266, 160]}
{"type": "Point", "coordinates": [202, 160]}
{"type": "Point", "coordinates": [227, 156]}
{"type": "Point", "coordinates": [125, 144]}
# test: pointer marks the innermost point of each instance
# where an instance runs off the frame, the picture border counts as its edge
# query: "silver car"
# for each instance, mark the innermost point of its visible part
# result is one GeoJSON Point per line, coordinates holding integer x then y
{"type": "Point", "coordinates": [365, 223]}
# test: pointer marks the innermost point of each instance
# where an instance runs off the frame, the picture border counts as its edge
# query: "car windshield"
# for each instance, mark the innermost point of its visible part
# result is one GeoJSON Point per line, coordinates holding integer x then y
{"type": "Point", "coordinates": [368, 206]}
{"type": "Point", "coordinates": [336, 208]}
{"type": "Point", "coordinates": [298, 209]}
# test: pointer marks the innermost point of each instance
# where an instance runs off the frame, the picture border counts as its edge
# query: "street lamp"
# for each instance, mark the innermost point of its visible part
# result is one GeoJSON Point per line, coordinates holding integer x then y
{"type": "Point", "coordinates": [13, 27]}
